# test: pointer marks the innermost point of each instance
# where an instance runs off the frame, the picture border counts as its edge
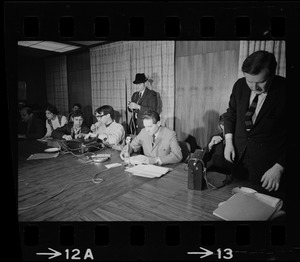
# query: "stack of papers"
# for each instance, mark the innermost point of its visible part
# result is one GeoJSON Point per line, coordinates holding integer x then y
{"type": "Point", "coordinates": [149, 171]}
{"type": "Point", "coordinates": [249, 207]}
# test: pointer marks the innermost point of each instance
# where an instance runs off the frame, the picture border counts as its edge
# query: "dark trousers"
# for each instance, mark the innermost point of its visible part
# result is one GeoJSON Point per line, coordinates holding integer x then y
{"type": "Point", "coordinates": [245, 169]}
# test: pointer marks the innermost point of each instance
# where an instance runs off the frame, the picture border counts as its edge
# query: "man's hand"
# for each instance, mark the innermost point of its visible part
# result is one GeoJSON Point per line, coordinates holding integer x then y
{"type": "Point", "coordinates": [133, 105]}
{"type": "Point", "coordinates": [103, 137]}
{"type": "Point", "coordinates": [124, 153]}
{"type": "Point", "coordinates": [87, 136]}
{"type": "Point", "coordinates": [67, 137]}
{"type": "Point", "coordinates": [229, 152]}
{"type": "Point", "coordinates": [271, 178]}
{"type": "Point", "coordinates": [214, 141]}
{"type": "Point", "coordinates": [93, 128]}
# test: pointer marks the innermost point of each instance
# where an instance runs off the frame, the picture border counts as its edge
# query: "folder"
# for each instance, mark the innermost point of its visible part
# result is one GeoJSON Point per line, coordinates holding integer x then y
{"type": "Point", "coordinates": [247, 207]}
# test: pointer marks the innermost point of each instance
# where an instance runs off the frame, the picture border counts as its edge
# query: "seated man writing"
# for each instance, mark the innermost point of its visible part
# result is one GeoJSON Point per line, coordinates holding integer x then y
{"type": "Point", "coordinates": [107, 129]}
{"type": "Point", "coordinates": [159, 143]}
{"type": "Point", "coordinates": [73, 129]}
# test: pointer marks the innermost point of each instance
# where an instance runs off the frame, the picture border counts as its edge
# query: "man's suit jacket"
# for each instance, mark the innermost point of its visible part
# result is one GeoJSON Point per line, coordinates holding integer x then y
{"type": "Point", "coordinates": [166, 145]}
{"type": "Point", "coordinates": [147, 102]}
{"type": "Point", "coordinates": [265, 142]}
{"type": "Point", "coordinates": [67, 129]}
{"type": "Point", "coordinates": [33, 129]}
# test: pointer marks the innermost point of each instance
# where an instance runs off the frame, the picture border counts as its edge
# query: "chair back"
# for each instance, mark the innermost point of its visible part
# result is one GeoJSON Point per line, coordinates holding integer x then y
{"type": "Point", "coordinates": [186, 151]}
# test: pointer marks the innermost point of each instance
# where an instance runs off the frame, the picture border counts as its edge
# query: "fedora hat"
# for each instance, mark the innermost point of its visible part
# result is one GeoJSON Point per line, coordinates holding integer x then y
{"type": "Point", "coordinates": [140, 78]}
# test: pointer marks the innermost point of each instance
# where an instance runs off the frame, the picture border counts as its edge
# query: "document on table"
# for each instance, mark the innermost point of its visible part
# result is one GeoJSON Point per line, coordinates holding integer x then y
{"type": "Point", "coordinates": [42, 156]}
{"type": "Point", "coordinates": [247, 207]}
{"type": "Point", "coordinates": [150, 171]}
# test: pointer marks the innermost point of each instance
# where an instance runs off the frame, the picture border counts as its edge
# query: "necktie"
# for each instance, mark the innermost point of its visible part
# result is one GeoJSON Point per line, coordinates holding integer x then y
{"type": "Point", "coordinates": [139, 98]}
{"type": "Point", "coordinates": [249, 114]}
{"type": "Point", "coordinates": [153, 140]}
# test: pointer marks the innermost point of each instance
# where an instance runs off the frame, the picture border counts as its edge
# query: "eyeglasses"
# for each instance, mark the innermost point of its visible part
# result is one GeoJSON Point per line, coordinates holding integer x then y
{"type": "Point", "coordinates": [100, 116]}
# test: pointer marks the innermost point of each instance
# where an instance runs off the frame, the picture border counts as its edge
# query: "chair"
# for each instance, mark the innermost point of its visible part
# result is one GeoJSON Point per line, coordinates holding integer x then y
{"type": "Point", "coordinates": [186, 151]}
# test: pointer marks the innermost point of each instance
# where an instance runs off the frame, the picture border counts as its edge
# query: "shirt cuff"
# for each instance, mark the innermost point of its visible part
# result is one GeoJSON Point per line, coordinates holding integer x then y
{"type": "Point", "coordinates": [229, 135]}
{"type": "Point", "coordinates": [158, 161]}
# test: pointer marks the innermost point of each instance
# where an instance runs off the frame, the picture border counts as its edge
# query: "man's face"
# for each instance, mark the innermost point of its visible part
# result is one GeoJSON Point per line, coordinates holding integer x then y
{"type": "Point", "coordinates": [150, 127]}
{"type": "Point", "coordinates": [140, 86]}
{"type": "Point", "coordinates": [102, 118]}
{"type": "Point", "coordinates": [24, 116]}
{"type": "Point", "coordinates": [75, 108]}
{"type": "Point", "coordinates": [77, 121]}
{"type": "Point", "coordinates": [258, 83]}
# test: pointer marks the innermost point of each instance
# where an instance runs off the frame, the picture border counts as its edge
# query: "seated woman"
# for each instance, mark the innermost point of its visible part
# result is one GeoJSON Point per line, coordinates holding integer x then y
{"type": "Point", "coordinates": [73, 129]}
{"type": "Point", "coordinates": [54, 120]}
{"type": "Point", "coordinates": [107, 129]}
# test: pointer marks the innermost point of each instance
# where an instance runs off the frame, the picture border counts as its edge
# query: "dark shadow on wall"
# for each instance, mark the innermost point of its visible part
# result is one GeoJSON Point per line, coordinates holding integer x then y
{"type": "Point", "coordinates": [189, 138]}
{"type": "Point", "coordinates": [211, 121]}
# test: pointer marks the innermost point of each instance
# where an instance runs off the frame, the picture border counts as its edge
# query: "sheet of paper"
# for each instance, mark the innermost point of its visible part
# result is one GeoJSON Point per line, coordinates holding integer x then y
{"type": "Point", "coordinates": [113, 165]}
{"type": "Point", "coordinates": [42, 156]}
{"type": "Point", "coordinates": [244, 207]}
{"type": "Point", "coordinates": [148, 170]}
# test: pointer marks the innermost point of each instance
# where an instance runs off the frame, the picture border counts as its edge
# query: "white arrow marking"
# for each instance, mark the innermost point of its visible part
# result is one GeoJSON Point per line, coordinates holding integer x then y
{"type": "Point", "coordinates": [205, 253]}
{"type": "Point", "coordinates": [55, 254]}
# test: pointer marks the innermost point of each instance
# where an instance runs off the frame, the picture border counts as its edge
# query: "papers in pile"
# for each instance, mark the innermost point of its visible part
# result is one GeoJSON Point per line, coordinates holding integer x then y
{"type": "Point", "coordinates": [248, 206]}
{"type": "Point", "coordinates": [150, 171]}
{"type": "Point", "coordinates": [138, 159]}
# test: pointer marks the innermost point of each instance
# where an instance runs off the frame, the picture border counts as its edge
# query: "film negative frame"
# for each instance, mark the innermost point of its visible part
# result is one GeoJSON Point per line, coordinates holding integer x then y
{"type": "Point", "coordinates": [172, 240]}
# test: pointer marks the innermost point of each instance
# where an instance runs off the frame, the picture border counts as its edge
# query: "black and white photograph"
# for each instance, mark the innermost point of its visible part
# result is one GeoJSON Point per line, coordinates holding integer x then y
{"type": "Point", "coordinates": [144, 131]}
{"type": "Point", "coordinates": [167, 130]}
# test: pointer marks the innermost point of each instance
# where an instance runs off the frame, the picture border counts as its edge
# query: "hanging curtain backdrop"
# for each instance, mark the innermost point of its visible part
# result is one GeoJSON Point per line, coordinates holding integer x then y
{"type": "Point", "coordinates": [56, 83]}
{"type": "Point", "coordinates": [205, 74]}
{"type": "Point", "coordinates": [113, 69]}
{"type": "Point", "coordinates": [275, 47]}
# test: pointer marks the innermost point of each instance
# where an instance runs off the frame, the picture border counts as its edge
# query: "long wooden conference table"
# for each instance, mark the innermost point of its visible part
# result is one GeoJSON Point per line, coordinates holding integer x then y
{"type": "Point", "coordinates": [62, 189]}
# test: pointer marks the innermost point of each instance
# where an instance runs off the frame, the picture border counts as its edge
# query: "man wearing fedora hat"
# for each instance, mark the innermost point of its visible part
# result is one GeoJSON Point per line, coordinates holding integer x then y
{"type": "Point", "coordinates": [142, 100]}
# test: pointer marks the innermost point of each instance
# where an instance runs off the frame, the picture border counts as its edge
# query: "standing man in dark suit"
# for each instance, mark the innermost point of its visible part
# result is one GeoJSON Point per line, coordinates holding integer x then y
{"type": "Point", "coordinates": [142, 100]}
{"type": "Point", "coordinates": [255, 125]}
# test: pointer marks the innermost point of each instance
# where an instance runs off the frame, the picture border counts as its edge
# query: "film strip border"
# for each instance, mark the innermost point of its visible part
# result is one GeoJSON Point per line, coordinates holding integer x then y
{"type": "Point", "coordinates": [146, 21]}
{"type": "Point", "coordinates": [155, 241]}
{"type": "Point", "coordinates": [169, 20]}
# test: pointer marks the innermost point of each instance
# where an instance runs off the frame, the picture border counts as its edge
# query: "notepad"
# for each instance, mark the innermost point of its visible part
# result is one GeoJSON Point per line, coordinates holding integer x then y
{"type": "Point", "coordinates": [245, 207]}
{"type": "Point", "coordinates": [150, 171]}
{"type": "Point", "coordinates": [42, 156]}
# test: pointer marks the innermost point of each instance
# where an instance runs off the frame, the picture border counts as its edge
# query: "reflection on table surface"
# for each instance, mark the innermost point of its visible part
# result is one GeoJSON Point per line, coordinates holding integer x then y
{"type": "Point", "coordinates": [62, 189]}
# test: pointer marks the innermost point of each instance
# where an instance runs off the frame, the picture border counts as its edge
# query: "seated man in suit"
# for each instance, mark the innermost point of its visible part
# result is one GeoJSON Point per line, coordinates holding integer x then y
{"type": "Point", "coordinates": [73, 129]}
{"type": "Point", "coordinates": [159, 143]}
{"type": "Point", "coordinates": [107, 129]}
{"type": "Point", "coordinates": [30, 127]}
